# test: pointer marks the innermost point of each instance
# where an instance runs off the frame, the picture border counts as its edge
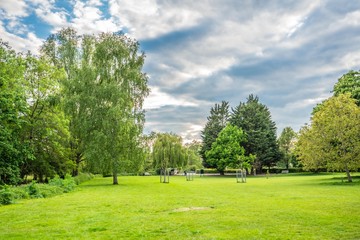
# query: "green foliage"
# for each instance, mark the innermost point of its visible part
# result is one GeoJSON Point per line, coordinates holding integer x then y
{"type": "Point", "coordinates": [67, 184]}
{"type": "Point", "coordinates": [193, 154]}
{"type": "Point", "coordinates": [33, 190]}
{"type": "Point", "coordinates": [12, 107]}
{"type": "Point", "coordinates": [349, 83]}
{"type": "Point", "coordinates": [168, 152]}
{"type": "Point", "coordinates": [286, 143]}
{"type": "Point", "coordinates": [227, 151]}
{"type": "Point", "coordinates": [254, 119]}
{"type": "Point", "coordinates": [104, 91]}
{"type": "Point", "coordinates": [6, 196]}
{"type": "Point", "coordinates": [83, 177]}
{"type": "Point", "coordinates": [218, 119]}
{"type": "Point", "coordinates": [332, 140]}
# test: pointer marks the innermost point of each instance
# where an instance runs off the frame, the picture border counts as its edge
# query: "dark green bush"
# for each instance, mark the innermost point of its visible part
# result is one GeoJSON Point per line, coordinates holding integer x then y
{"type": "Point", "coordinates": [6, 196]}
{"type": "Point", "coordinates": [33, 190]}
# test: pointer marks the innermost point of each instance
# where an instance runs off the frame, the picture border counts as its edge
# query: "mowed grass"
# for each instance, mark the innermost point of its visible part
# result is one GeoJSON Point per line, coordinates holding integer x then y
{"type": "Point", "coordinates": [281, 207]}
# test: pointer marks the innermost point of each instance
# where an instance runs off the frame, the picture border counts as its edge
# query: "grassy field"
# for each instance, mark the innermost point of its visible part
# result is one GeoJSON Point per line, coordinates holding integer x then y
{"type": "Point", "coordinates": [282, 207]}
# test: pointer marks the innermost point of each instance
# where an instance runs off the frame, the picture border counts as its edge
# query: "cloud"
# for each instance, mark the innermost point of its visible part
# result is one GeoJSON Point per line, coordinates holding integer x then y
{"type": "Point", "coordinates": [150, 19]}
{"type": "Point", "coordinates": [30, 43]}
{"type": "Point", "coordinates": [15, 8]}
{"type": "Point", "coordinates": [289, 53]}
{"type": "Point", "coordinates": [157, 99]}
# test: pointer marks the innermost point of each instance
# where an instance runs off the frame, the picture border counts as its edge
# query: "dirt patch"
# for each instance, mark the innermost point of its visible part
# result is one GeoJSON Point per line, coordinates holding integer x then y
{"type": "Point", "coordinates": [186, 209]}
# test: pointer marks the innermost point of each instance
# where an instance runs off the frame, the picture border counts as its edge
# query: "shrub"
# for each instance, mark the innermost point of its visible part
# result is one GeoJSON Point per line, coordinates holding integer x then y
{"type": "Point", "coordinates": [46, 190]}
{"type": "Point", "coordinates": [33, 190]}
{"type": "Point", "coordinates": [20, 192]}
{"type": "Point", "coordinates": [67, 185]}
{"type": "Point", "coordinates": [6, 196]}
{"type": "Point", "coordinates": [83, 177]}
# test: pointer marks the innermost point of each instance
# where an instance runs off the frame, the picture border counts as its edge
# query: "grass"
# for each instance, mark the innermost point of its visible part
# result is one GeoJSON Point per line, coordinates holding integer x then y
{"type": "Point", "coordinates": [286, 207]}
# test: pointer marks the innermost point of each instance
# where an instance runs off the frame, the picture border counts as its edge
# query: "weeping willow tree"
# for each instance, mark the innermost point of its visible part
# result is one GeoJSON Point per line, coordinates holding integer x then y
{"type": "Point", "coordinates": [168, 152]}
{"type": "Point", "coordinates": [104, 91]}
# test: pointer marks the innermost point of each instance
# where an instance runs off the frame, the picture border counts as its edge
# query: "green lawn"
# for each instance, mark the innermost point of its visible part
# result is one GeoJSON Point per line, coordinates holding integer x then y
{"type": "Point", "coordinates": [283, 207]}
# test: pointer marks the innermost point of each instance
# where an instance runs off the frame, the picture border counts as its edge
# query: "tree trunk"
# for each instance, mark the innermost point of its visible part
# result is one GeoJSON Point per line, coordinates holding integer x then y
{"type": "Point", "coordinates": [222, 172]}
{"type": "Point", "coordinates": [115, 179]}
{"type": "Point", "coordinates": [348, 174]}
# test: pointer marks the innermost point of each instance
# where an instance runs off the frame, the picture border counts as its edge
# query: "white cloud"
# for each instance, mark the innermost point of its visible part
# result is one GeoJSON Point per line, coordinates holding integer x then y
{"type": "Point", "coordinates": [149, 19]}
{"type": "Point", "coordinates": [157, 99]}
{"type": "Point", "coordinates": [14, 8]}
{"type": "Point", "coordinates": [32, 42]}
{"type": "Point", "coordinates": [89, 19]}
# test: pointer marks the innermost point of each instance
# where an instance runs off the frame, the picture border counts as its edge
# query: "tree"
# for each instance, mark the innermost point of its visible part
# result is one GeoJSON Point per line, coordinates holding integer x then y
{"type": "Point", "coordinates": [168, 152]}
{"type": "Point", "coordinates": [349, 83]}
{"type": "Point", "coordinates": [193, 153]}
{"type": "Point", "coordinates": [332, 140]}
{"type": "Point", "coordinates": [104, 92]}
{"type": "Point", "coordinates": [218, 119]}
{"type": "Point", "coordinates": [286, 144]}
{"type": "Point", "coordinates": [227, 151]}
{"type": "Point", "coordinates": [46, 130]}
{"type": "Point", "coordinates": [12, 107]}
{"type": "Point", "coordinates": [254, 119]}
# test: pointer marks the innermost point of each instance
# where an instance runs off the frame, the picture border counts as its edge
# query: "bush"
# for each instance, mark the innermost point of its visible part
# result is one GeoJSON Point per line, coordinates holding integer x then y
{"type": "Point", "coordinates": [20, 192]}
{"type": "Point", "coordinates": [46, 190]}
{"type": "Point", "coordinates": [33, 190]}
{"type": "Point", "coordinates": [6, 196]}
{"type": "Point", "coordinates": [83, 177]}
{"type": "Point", "coordinates": [67, 185]}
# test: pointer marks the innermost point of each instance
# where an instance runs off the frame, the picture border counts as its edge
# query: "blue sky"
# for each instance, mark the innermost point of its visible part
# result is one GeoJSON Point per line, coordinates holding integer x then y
{"type": "Point", "coordinates": [289, 53]}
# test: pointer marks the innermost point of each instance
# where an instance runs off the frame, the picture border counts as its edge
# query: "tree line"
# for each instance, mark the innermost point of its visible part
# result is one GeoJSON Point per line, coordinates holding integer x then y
{"type": "Point", "coordinates": [245, 136]}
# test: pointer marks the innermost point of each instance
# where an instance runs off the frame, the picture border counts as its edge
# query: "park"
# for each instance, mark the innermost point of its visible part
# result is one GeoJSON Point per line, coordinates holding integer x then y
{"type": "Point", "coordinates": [283, 206]}
{"type": "Point", "coordinates": [104, 135]}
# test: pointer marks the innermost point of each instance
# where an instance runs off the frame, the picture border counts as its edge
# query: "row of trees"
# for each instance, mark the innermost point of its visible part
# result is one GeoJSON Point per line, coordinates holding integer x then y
{"type": "Point", "coordinates": [251, 129]}
{"type": "Point", "coordinates": [78, 105]}
{"type": "Point", "coordinates": [246, 136]}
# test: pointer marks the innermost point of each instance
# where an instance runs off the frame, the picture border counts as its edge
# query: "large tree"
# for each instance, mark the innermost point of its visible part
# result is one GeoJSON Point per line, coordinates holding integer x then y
{"type": "Point", "coordinates": [254, 119]}
{"type": "Point", "coordinates": [218, 119]}
{"type": "Point", "coordinates": [227, 150]}
{"type": "Point", "coordinates": [286, 143]}
{"type": "Point", "coordinates": [168, 152]}
{"type": "Point", "coordinates": [46, 130]}
{"type": "Point", "coordinates": [104, 92]}
{"type": "Point", "coordinates": [332, 140]}
{"type": "Point", "coordinates": [12, 106]}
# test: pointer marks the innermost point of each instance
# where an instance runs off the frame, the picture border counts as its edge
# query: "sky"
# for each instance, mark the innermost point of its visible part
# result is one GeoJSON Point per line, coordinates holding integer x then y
{"type": "Point", "coordinates": [198, 53]}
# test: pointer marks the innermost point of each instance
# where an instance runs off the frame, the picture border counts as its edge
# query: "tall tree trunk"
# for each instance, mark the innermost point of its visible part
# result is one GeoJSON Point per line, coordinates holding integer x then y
{"type": "Point", "coordinates": [348, 174]}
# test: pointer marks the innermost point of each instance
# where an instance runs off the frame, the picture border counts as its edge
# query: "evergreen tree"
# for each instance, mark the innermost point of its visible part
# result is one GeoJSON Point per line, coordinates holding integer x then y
{"type": "Point", "coordinates": [254, 119]}
{"type": "Point", "coordinates": [218, 119]}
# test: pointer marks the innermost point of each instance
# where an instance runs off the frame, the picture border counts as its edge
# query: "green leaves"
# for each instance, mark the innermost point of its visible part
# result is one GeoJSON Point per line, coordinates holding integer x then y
{"type": "Point", "coordinates": [254, 119]}
{"type": "Point", "coordinates": [227, 151]}
{"type": "Point", "coordinates": [104, 90]}
{"type": "Point", "coordinates": [332, 140]}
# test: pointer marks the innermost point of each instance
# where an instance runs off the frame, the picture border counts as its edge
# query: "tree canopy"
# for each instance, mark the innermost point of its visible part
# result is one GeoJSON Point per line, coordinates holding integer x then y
{"type": "Point", "coordinates": [332, 141]}
{"type": "Point", "coordinates": [104, 91]}
{"type": "Point", "coordinates": [227, 151]}
{"type": "Point", "coordinates": [254, 119]}
{"type": "Point", "coordinates": [218, 119]}
{"type": "Point", "coordinates": [168, 152]}
{"type": "Point", "coordinates": [286, 143]}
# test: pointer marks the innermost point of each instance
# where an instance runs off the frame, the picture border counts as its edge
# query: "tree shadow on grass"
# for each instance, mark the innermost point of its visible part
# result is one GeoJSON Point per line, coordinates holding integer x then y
{"type": "Point", "coordinates": [340, 181]}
